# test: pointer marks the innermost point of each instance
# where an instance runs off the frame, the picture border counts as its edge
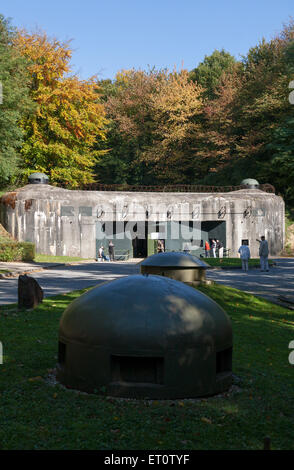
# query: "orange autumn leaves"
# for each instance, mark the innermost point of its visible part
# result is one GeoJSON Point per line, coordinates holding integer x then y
{"type": "Point", "coordinates": [68, 118]}
{"type": "Point", "coordinates": [158, 113]}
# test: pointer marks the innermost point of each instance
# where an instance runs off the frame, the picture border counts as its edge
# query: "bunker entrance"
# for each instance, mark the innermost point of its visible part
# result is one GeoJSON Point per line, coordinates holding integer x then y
{"type": "Point", "coordinates": [130, 238]}
{"type": "Point", "coordinates": [213, 229]}
{"type": "Point", "coordinates": [139, 247]}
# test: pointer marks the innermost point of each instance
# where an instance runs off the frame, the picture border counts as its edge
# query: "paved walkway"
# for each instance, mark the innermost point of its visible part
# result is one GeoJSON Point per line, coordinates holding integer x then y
{"type": "Point", "coordinates": [65, 278]}
{"type": "Point", "coordinates": [14, 269]}
{"type": "Point", "coordinates": [279, 281]}
{"type": "Point", "coordinates": [56, 279]}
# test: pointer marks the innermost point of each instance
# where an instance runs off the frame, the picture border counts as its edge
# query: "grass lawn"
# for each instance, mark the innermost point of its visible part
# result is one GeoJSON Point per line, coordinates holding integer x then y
{"type": "Point", "coordinates": [56, 259]}
{"type": "Point", "coordinates": [38, 414]}
{"type": "Point", "coordinates": [233, 262]}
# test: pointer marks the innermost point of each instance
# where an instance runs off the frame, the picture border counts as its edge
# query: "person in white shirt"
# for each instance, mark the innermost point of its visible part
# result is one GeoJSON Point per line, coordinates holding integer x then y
{"type": "Point", "coordinates": [101, 254]}
{"type": "Point", "coordinates": [213, 248]}
{"type": "Point", "coordinates": [244, 255]}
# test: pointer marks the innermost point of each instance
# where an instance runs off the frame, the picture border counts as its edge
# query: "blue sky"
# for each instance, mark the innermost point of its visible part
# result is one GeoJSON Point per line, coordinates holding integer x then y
{"type": "Point", "coordinates": [111, 35]}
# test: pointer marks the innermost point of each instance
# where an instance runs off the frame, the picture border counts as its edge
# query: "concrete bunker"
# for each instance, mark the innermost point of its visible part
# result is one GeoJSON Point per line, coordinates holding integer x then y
{"type": "Point", "coordinates": [76, 223]}
{"type": "Point", "coordinates": [145, 336]}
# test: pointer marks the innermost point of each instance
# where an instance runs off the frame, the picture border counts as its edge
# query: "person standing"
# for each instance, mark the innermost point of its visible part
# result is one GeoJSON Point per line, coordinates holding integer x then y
{"type": "Point", "coordinates": [213, 248]}
{"type": "Point", "coordinates": [160, 246]}
{"type": "Point", "coordinates": [263, 254]}
{"type": "Point", "coordinates": [111, 250]}
{"type": "Point", "coordinates": [244, 255]}
{"type": "Point", "coordinates": [207, 249]}
{"type": "Point", "coordinates": [101, 254]}
{"type": "Point", "coordinates": [220, 249]}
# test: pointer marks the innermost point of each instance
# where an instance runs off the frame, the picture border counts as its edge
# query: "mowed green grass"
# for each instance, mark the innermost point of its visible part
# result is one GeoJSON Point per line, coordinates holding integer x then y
{"type": "Point", "coordinates": [233, 262]}
{"type": "Point", "coordinates": [39, 258]}
{"type": "Point", "coordinates": [37, 414]}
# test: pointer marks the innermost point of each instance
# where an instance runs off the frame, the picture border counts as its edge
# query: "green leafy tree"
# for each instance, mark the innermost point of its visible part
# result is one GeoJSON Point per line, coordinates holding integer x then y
{"type": "Point", "coordinates": [250, 111]}
{"type": "Point", "coordinates": [281, 165]}
{"type": "Point", "coordinates": [15, 102]}
{"type": "Point", "coordinates": [209, 72]}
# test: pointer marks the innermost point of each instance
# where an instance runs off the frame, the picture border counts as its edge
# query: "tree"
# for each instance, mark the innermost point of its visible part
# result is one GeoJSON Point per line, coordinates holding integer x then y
{"type": "Point", "coordinates": [209, 72]}
{"type": "Point", "coordinates": [69, 118]}
{"type": "Point", "coordinates": [249, 109]}
{"type": "Point", "coordinates": [281, 164]}
{"type": "Point", "coordinates": [176, 107]}
{"type": "Point", "coordinates": [131, 124]}
{"type": "Point", "coordinates": [14, 103]}
{"type": "Point", "coordinates": [219, 132]}
{"type": "Point", "coordinates": [154, 122]}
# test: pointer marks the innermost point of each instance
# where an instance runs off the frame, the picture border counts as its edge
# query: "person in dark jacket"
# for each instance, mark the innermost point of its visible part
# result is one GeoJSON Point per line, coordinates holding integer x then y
{"type": "Point", "coordinates": [263, 253]}
{"type": "Point", "coordinates": [111, 250]}
{"type": "Point", "coordinates": [220, 248]}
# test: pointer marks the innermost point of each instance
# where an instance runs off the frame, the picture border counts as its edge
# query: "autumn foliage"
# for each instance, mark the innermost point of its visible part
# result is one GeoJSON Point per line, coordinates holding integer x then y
{"type": "Point", "coordinates": [69, 117]}
{"type": "Point", "coordinates": [219, 123]}
{"type": "Point", "coordinates": [157, 113]}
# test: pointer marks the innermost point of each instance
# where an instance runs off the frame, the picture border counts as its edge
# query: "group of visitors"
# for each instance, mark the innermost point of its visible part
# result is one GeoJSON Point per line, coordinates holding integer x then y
{"type": "Point", "coordinates": [101, 254]}
{"type": "Point", "coordinates": [210, 251]}
{"type": "Point", "coordinates": [215, 248]}
{"type": "Point", "coordinates": [244, 252]}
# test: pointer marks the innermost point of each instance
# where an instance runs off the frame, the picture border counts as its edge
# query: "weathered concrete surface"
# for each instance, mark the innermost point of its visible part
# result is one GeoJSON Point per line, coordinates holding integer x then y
{"type": "Point", "coordinates": [64, 222]}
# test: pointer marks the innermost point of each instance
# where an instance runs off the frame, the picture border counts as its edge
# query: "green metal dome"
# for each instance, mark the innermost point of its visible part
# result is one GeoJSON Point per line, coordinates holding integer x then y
{"type": "Point", "coordinates": [145, 336]}
{"type": "Point", "coordinates": [176, 265]}
{"type": "Point", "coordinates": [174, 259]}
{"type": "Point", "coordinates": [38, 178]}
{"type": "Point", "coordinates": [250, 182]}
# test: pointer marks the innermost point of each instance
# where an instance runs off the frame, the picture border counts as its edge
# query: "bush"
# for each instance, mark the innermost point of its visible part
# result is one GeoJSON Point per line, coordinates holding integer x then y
{"type": "Point", "coordinates": [17, 251]}
{"type": "Point", "coordinates": [29, 252]}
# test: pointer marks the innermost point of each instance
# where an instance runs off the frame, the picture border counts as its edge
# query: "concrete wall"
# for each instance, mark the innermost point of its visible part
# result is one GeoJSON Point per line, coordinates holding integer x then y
{"type": "Point", "coordinates": [64, 222]}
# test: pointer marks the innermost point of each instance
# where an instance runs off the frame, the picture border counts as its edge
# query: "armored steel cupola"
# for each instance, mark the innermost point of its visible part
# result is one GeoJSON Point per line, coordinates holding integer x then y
{"type": "Point", "coordinates": [145, 336]}
{"type": "Point", "coordinates": [176, 265]}
{"type": "Point", "coordinates": [38, 178]}
{"type": "Point", "coordinates": [250, 183]}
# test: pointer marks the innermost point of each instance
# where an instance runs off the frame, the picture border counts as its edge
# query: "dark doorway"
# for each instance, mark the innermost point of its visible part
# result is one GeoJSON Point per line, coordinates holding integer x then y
{"type": "Point", "coordinates": [139, 243]}
{"type": "Point", "coordinates": [140, 247]}
{"type": "Point", "coordinates": [214, 229]}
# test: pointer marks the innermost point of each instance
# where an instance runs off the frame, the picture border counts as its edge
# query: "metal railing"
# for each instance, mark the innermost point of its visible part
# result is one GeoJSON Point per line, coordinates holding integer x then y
{"type": "Point", "coordinates": [178, 188]}
{"type": "Point", "coordinates": [121, 254]}
{"type": "Point", "coordinates": [202, 254]}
